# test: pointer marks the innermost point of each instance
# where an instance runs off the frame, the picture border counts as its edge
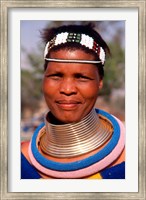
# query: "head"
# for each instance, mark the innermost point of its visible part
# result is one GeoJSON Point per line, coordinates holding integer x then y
{"type": "Point", "coordinates": [72, 80]}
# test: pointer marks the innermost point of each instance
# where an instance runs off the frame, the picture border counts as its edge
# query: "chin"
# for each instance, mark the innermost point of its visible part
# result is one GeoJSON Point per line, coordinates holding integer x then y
{"type": "Point", "coordinates": [69, 119]}
{"type": "Point", "coordinates": [68, 116]}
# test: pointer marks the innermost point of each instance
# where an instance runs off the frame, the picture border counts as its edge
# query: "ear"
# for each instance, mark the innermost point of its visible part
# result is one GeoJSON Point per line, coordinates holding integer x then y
{"type": "Point", "coordinates": [100, 84]}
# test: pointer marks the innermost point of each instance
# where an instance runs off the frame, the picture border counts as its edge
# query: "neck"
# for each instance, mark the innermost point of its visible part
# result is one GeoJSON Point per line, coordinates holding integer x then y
{"type": "Point", "coordinates": [69, 140]}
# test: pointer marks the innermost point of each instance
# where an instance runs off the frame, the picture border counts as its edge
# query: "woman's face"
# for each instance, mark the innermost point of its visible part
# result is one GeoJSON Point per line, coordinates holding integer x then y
{"type": "Point", "coordinates": [71, 89]}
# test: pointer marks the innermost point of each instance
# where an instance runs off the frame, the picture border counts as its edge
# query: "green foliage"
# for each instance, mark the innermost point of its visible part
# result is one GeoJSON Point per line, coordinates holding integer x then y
{"type": "Point", "coordinates": [31, 80]}
{"type": "Point", "coordinates": [114, 70]}
{"type": "Point", "coordinates": [30, 89]}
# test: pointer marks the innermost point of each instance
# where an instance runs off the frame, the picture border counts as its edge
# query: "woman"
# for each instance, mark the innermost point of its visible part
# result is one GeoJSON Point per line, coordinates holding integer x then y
{"type": "Point", "coordinates": [76, 140]}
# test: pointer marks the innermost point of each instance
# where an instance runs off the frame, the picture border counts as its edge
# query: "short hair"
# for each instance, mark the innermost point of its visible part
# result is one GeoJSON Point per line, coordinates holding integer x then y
{"type": "Point", "coordinates": [49, 34]}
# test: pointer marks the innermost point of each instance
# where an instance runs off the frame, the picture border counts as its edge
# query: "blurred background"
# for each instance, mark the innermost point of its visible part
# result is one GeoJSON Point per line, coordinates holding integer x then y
{"type": "Point", "coordinates": [33, 107]}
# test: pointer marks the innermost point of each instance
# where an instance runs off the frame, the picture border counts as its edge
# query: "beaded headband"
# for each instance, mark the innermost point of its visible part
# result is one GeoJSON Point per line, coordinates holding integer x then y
{"type": "Point", "coordinates": [79, 38]}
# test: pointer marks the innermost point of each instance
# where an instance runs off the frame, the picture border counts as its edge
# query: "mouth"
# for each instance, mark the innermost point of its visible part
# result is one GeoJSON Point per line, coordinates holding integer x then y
{"type": "Point", "coordinates": [68, 104]}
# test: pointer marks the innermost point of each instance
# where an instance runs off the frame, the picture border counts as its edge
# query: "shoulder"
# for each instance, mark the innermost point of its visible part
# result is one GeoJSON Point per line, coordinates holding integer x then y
{"type": "Point", "coordinates": [114, 120]}
{"type": "Point", "coordinates": [24, 149]}
{"type": "Point", "coordinates": [27, 170]}
{"type": "Point", "coordinates": [121, 141]}
{"type": "Point", "coordinates": [25, 144]}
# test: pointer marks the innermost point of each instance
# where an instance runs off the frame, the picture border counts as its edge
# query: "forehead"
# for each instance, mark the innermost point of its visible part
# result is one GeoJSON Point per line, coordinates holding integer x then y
{"type": "Point", "coordinates": [72, 54]}
{"type": "Point", "coordinates": [71, 67]}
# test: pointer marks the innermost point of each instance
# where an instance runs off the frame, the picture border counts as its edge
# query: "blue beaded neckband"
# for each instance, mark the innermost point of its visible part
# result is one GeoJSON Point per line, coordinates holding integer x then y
{"type": "Point", "coordinates": [80, 164]}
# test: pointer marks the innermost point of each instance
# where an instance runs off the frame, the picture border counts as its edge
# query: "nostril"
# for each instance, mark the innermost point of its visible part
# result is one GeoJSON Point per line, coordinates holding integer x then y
{"type": "Point", "coordinates": [68, 88]}
{"type": "Point", "coordinates": [68, 92]}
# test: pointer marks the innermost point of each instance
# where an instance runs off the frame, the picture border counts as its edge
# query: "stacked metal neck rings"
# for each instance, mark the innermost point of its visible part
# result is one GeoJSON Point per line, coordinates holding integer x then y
{"type": "Point", "coordinates": [73, 139]}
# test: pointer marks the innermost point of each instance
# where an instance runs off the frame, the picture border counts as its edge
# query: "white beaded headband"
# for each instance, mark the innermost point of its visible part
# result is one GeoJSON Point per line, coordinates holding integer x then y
{"type": "Point", "coordinates": [82, 39]}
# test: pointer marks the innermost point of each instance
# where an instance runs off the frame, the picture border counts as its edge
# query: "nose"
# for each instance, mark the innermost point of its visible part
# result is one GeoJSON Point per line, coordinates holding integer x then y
{"type": "Point", "coordinates": [68, 87]}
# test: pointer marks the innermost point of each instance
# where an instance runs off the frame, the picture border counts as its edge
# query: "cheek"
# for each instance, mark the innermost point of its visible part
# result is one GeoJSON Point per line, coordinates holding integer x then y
{"type": "Point", "coordinates": [49, 89]}
{"type": "Point", "coordinates": [90, 91]}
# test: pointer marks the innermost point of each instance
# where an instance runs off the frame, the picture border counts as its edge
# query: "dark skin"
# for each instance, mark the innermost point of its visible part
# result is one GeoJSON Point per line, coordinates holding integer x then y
{"type": "Point", "coordinates": [71, 89]}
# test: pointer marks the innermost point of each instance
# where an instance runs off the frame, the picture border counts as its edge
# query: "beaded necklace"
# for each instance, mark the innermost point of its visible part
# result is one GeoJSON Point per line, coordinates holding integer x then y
{"type": "Point", "coordinates": [81, 163]}
{"type": "Point", "coordinates": [92, 169]}
{"type": "Point", "coordinates": [75, 139]}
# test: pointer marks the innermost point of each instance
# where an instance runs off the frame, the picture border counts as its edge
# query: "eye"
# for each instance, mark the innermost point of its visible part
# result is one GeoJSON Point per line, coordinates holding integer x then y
{"type": "Point", "coordinates": [54, 76]}
{"type": "Point", "coordinates": [82, 77]}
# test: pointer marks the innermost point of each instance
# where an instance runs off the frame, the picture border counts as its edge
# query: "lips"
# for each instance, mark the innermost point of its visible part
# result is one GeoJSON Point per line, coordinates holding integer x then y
{"type": "Point", "coordinates": [68, 104]}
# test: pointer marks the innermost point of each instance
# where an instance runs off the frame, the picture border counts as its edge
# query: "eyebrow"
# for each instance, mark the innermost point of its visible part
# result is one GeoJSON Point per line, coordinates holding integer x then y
{"type": "Point", "coordinates": [76, 74]}
{"type": "Point", "coordinates": [84, 75]}
{"type": "Point", "coordinates": [54, 73]}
